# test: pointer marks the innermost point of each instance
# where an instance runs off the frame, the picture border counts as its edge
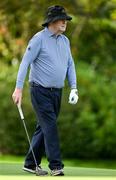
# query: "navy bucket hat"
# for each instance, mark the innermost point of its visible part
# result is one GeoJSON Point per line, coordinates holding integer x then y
{"type": "Point", "coordinates": [55, 13]}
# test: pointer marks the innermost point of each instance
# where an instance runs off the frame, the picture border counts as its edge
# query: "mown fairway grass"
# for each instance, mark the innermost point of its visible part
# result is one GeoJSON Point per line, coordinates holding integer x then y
{"type": "Point", "coordinates": [11, 168]}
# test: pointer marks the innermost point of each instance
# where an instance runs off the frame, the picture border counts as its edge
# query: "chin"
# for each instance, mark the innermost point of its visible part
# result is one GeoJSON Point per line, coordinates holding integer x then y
{"type": "Point", "coordinates": [62, 29]}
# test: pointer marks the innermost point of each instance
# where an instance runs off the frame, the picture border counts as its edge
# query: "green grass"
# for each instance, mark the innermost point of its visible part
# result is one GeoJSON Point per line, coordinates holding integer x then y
{"type": "Point", "coordinates": [16, 169]}
{"type": "Point", "coordinates": [12, 166]}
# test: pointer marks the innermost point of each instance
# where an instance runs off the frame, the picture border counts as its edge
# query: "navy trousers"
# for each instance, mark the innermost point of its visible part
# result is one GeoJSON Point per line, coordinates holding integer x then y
{"type": "Point", "coordinates": [46, 103]}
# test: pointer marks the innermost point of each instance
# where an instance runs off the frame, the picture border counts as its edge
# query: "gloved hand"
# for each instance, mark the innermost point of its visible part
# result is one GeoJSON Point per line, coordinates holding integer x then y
{"type": "Point", "coordinates": [73, 97]}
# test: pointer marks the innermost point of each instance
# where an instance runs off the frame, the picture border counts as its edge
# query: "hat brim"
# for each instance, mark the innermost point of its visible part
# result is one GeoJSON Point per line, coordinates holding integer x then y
{"type": "Point", "coordinates": [53, 19]}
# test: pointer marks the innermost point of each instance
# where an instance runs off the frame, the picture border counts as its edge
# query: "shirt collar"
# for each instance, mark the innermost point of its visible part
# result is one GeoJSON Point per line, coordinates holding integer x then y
{"type": "Point", "coordinates": [50, 33]}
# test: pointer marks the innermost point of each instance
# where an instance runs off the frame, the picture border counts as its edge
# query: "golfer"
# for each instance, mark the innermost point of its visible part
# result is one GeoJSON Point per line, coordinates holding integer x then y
{"type": "Point", "coordinates": [49, 56]}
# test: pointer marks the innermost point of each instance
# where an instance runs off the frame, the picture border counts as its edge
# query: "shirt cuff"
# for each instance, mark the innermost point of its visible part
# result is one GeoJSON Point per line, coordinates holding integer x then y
{"type": "Point", "coordinates": [73, 86]}
{"type": "Point", "coordinates": [19, 84]}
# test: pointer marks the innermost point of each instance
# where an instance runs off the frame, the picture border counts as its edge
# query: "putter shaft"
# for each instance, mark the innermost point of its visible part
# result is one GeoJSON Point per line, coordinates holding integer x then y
{"type": "Point", "coordinates": [20, 112]}
{"type": "Point", "coordinates": [22, 118]}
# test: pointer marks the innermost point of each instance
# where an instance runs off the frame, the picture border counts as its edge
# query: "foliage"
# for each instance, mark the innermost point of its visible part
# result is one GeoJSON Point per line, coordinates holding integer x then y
{"type": "Point", "coordinates": [92, 31]}
{"type": "Point", "coordinates": [87, 130]}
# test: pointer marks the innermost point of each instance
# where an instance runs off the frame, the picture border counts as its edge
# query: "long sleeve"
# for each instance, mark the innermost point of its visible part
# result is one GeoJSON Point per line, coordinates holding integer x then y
{"type": "Point", "coordinates": [30, 55]}
{"type": "Point", "coordinates": [71, 73]}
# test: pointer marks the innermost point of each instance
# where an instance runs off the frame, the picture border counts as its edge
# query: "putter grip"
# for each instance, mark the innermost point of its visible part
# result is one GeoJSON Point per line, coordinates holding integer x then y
{"type": "Point", "coordinates": [20, 112]}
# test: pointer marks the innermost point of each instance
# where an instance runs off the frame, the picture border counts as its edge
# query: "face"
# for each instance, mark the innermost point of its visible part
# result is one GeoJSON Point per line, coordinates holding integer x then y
{"type": "Point", "coordinates": [60, 25]}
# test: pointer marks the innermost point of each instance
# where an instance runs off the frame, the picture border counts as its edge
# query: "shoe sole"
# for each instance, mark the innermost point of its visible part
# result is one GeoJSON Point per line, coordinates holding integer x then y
{"type": "Point", "coordinates": [60, 173]}
{"type": "Point", "coordinates": [33, 172]}
{"type": "Point", "coordinates": [29, 170]}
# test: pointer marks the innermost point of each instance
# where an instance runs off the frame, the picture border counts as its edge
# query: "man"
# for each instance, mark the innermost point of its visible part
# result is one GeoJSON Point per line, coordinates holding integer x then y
{"type": "Point", "coordinates": [49, 56]}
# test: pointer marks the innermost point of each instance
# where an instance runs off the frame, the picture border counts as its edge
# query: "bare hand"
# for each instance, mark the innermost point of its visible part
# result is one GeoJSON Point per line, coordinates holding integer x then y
{"type": "Point", "coordinates": [17, 96]}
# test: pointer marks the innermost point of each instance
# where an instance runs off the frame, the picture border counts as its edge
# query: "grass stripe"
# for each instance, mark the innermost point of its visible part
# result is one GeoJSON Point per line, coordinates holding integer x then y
{"type": "Point", "coordinates": [54, 178]}
{"type": "Point", "coordinates": [13, 169]}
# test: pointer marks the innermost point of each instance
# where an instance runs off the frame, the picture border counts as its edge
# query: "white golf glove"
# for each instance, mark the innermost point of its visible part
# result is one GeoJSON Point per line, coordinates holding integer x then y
{"type": "Point", "coordinates": [73, 97]}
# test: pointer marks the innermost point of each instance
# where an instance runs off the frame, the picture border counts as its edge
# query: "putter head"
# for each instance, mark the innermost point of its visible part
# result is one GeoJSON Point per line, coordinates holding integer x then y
{"type": "Point", "coordinates": [37, 171]}
{"type": "Point", "coordinates": [40, 172]}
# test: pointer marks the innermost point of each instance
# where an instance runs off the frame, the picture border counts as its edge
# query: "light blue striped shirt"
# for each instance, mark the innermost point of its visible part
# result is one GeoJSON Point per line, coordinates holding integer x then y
{"type": "Point", "coordinates": [50, 61]}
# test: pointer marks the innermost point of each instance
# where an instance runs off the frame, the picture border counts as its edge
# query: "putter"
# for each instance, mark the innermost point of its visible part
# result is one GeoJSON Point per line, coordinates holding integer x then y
{"type": "Point", "coordinates": [27, 134]}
